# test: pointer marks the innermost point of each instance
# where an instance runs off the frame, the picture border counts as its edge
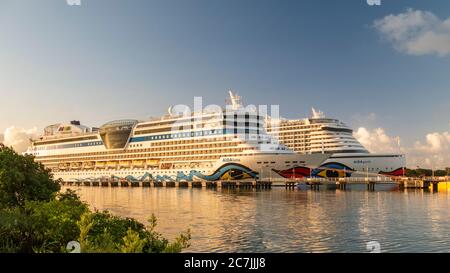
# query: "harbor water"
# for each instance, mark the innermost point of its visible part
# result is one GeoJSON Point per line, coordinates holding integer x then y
{"type": "Point", "coordinates": [293, 221]}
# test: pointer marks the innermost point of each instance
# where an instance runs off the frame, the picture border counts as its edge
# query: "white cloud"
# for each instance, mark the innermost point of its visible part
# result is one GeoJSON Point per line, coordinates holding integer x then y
{"type": "Point", "coordinates": [416, 32]}
{"type": "Point", "coordinates": [434, 151]}
{"type": "Point", "coordinates": [435, 142]}
{"type": "Point", "coordinates": [18, 138]}
{"type": "Point", "coordinates": [377, 141]}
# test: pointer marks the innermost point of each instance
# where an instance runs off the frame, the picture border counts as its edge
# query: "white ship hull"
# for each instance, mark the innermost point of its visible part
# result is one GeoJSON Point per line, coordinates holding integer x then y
{"type": "Point", "coordinates": [355, 164]}
{"type": "Point", "coordinates": [226, 168]}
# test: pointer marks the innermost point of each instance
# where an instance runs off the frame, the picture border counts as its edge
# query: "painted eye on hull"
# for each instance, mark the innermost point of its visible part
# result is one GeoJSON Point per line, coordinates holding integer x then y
{"type": "Point", "coordinates": [332, 174]}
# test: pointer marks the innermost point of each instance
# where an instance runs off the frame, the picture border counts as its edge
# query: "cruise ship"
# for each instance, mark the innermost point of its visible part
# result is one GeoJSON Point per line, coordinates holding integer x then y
{"type": "Point", "coordinates": [230, 143]}
{"type": "Point", "coordinates": [322, 135]}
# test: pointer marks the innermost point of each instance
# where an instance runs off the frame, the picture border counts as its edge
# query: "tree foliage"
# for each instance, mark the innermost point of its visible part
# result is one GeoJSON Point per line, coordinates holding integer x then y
{"type": "Point", "coordinates": [35, 217]}
{"type": "Point", "coordinates": [22, 179]}
{"type": "Point", "coordinates": [104, 232]}
{"type": "Point", "coordinates": [426, 172]}
{"type": "Point", "coordinates": [42, 226]}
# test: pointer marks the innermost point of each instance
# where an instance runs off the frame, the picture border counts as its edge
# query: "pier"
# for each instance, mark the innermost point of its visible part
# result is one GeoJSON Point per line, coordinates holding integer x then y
{"type": "Point", "coordinates": [315, 184]}
{"type": "Point", "coordinates": [423, 183]}
{"type": "Point", "coordinates": [371, 183]}
{"type": "Point", "coordinates": [228, 184]}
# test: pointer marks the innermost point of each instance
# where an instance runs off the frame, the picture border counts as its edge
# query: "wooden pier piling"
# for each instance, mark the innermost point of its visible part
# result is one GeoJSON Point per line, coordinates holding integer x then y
{"type": "Point", "coordinates": [290, 184]}
{"type": "Point", "coordinates": [371, 186]}
{"type": "Point", "coordinates": [170, 184]}
{"type": "Point", "coordinates": [342, 185]}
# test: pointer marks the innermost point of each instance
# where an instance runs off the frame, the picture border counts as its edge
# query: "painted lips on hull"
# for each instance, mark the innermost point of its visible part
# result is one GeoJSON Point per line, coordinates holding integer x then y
{"type": "Point", "coordinates": [397, 172]}
{"type": "Point", "coordinates": [296, 172]}
{"type": "Point", "coordinates": [332, 169]}
{"type": "Point", "coordinates": [328, 170]}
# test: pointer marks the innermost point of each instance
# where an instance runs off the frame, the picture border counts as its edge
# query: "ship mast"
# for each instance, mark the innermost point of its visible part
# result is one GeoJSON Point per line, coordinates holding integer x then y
{"type": "Point", "coordinates": [236, 100]}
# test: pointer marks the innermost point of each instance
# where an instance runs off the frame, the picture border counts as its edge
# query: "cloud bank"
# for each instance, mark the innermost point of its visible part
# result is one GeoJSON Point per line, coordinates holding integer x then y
{"type": "Point", "coordinates": [434, 151]}
{"type": "Point", "coordinates": [377, 141]}
{"type": "Point", "coordinates": [431, 152]}
{"type": "Point", "coordinates": [18, 138]}
{"type": "Point", "coordinates": [416, 32]}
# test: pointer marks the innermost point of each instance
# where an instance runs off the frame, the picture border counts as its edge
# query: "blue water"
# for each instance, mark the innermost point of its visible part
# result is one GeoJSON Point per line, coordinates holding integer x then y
{"type": "Point", "coordinates": [280, 220]}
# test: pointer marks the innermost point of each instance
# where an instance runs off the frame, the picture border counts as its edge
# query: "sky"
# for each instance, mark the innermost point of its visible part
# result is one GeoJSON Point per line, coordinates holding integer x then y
{"type": "Point", "coordinates": [384, 70]}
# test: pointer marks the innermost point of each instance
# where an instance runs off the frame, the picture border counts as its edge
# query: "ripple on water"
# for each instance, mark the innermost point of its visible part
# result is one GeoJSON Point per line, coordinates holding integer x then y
{"type": "Point", "coordinates": [287, 221]}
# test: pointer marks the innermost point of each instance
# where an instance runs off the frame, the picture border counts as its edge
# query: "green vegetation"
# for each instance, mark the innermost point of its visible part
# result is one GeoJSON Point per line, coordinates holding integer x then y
{"type": "Point", "coordinates": [35, 217]}
{"type": "Point", "coordinates": [21, 179]}
{"type": "Point", "coordinates": [426, 172]}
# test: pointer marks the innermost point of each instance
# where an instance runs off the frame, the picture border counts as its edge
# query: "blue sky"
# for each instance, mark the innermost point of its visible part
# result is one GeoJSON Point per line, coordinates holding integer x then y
{"type": "Point", "coordinates": [110, 59]}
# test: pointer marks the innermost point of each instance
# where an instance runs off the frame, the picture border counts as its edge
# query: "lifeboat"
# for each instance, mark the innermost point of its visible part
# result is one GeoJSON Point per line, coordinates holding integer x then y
{"type": "Point", "coordinates": [152, 162]}
{"type": "Point", "coordinates": [138, 163]}
{"type": "Point", "coordinates": [88, 165]}
{"type": "Point", "coordinates": [75, 165]}
{"type": "Point", "coordinates": [111, 164]}
{"type": "Point", "coordinates": [125, 163]}
{"type": "Point", "coordinates": [100, 164]}
{"type": "Point", "coordinates": [64, 166]}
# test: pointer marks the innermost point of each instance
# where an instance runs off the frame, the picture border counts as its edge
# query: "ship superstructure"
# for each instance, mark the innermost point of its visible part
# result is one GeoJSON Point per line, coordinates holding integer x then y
{"type": "Point", "coordinates": [231, 143]}
{"type": "Point", "coordinates": [322, 135]}
{"type": "Point", "coordinates": [317, 134]}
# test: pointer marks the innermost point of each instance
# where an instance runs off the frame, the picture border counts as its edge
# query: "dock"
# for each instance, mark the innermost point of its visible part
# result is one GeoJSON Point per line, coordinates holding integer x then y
{"type": "Point", "coordinates": [371, 183]}
{"type": "Point", "coordinates": [228, 184]}
{"type": "Point", "coordinates": [335, 183]}
{"type": "Point", "coordinates": [315, 184]}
